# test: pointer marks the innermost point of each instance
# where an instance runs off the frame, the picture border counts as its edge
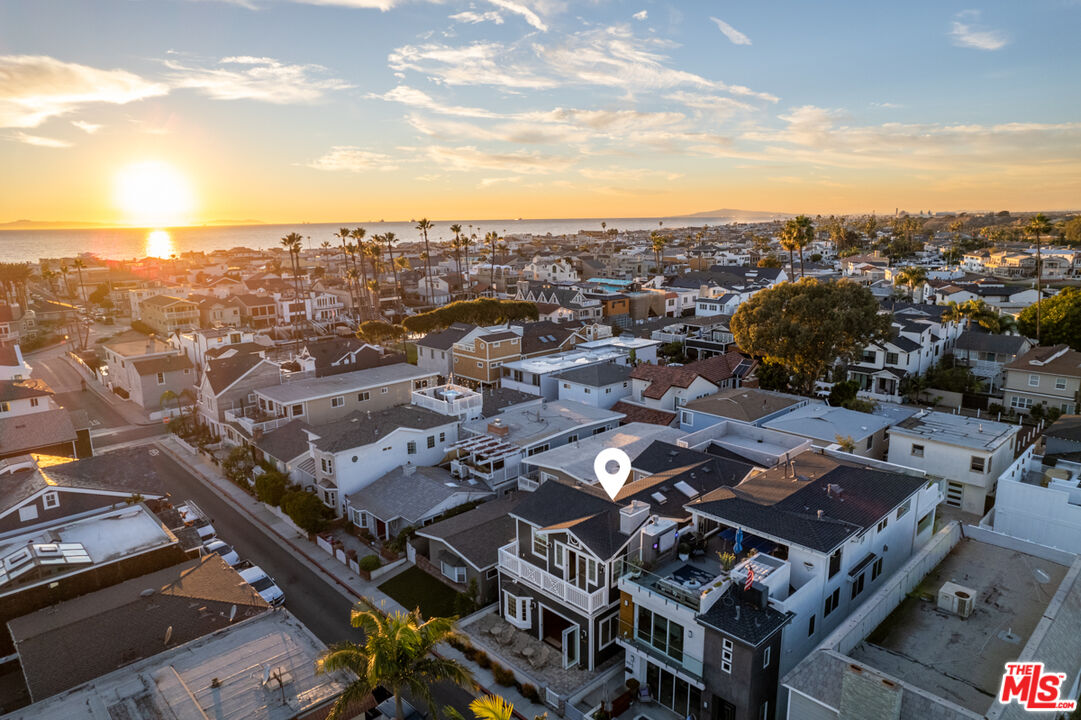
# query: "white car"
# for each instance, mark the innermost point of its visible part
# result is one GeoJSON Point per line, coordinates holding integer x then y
{"type": "Point", "coordinates": [219, 547]}
{"type": "Point", "coordinates": [261, 582]}
{"type": "Point", "coordinates": [191, 513]}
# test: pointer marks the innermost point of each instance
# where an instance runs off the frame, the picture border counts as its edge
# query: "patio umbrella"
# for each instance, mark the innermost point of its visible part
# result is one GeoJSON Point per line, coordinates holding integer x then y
{"type": "Point", "coordinates": [739, 541]}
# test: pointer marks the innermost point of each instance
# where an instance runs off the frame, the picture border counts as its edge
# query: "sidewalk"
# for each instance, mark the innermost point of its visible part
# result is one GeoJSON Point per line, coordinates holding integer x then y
{"type": "Point", "coordinates": [348, 583]}
{"type": "Point", "coordinates": [132, 413]}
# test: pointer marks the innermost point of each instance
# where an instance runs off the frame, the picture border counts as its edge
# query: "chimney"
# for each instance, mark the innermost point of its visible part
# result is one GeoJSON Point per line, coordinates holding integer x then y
{"type": "Point", "coordinates": [409, 469]}
{"type": "Point", "coordinates": [632, 516]}
{"type": "Point", "coordinates": [496, 427]}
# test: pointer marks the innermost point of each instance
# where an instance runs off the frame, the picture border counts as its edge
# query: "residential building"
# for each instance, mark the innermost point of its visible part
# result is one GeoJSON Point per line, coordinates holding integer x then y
{"type": "Point", "coordinates": [986, 354]}
{"type": "Point", "coordinates": [637, 350]}
{"type": "Point", "coordinates": [408, 496]}
{"type": "Point", "coordinates": [142, 368]}
{"type": "Point", "coordinates": [479, 355]}
{"type": "Point", "coordinates": [1045, 375]}
{"type": "Point", "coordinates": [136, 297]}
{"type": "Point", "coordinates": [538, 375]}
{"type": "Point", "coordinates": [750, 405]}
{"type": "Point", "coordinates": [601, 385]}
{"type": "Point", "coordinates": [550, 270]}
{"type": "Point", "coordinates": [166, 314]}
{"type": "Point", "coordinates": [226, 398]}
{"type": "Point", "coordinates": [825, 425]}
{"type": "Point", "coordinates": [463, 550]}
{"type": "Point", "coordinates": [323, 399]}
{"type": "Point", "coordinates": [492, 450]}
{"type": "Point", "coordinates": [668, 387]}
{"type": "Point", "coordinates": [12, 364]}
{"type": "Point", "coordinates": [212, 676]}
{"type": "Point", "coordinates": [434, 350]}
{"type": "Point", "coordinates": [256, 311]}
{"type": "Point", "coordinates": [936, 606]}
{"type": "Point", "coordinates": [358, 449]}
{"type": "Point", "coordinates": [574, 463]}
{"type": "Point", "coordinates": [215, 312]}
{"type": "Point", "coordinates": [572, 299]}
{"type": "Point", "coordinates": [195, 344]}
{"type": "Point", "coordinates": [969, 453]}
{"type": "Point", "coordinates": [453, 400]}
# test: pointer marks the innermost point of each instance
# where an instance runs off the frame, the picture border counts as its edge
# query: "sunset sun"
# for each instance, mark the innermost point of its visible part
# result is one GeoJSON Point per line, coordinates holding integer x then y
{"type": "Point", "coordinates": [153, 194]}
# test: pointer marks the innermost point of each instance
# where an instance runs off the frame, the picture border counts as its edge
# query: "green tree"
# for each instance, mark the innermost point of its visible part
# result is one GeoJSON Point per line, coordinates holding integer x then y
{"type": "Point", "coordinates": [397, 654]}
{"type": "Point", "coordinates": [770, 261]}
{"type": "Point", "coordinates": [305, 509]}
{"type": "Point", "coordinates": [237, 466]}
{"type": "Point", "coordinates": [658, 242]}
{"type": "Point", "coordinates": [807, 325]}
{"type": "Point", "coordinates": [1071, 231]}
{"type": "Point", "coordinates": [977, 311]}
{"type": "Point", "coordinates": [358, 234]}
{"type": "Point", "coordinates": [1061, 316]}
{"type": "Point", "coordinates": [270, 487]}
{"type": "Point", "coordinates": [424, 225]}
{"type": "Point", "coordinates": [490, 707]}
{"type": "Point", "coordinates": [1038, 226]}
{"type": "Point", "coordinates": [911, 277]}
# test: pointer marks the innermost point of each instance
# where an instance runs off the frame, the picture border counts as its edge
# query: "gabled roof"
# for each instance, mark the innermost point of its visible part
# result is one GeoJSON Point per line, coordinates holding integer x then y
{"type": "Point", "coordinates": [223, 372]}
{"type": "Point", "coordinates": [364, 428]}
{"type": "Point", "coordinates": [990, 342]}
{"type": "Point", "coordinates": [599, 375]}
{"type": "Point", "coordinates": [285, 443]}
{"type": "Point", "coordinates": [164, 301]}
{"type": "Point", "coordinates": [640, 413]}
{"type": "Point", "coordinates": [1055, 360]}
{"type": "Point", "coordinates": [412, 494]}
{"type": "Point", "coordinates": [584, 511]}
{"type": "Point", "coordinates": [444, 339]}
{"type": "Point", "coordinates": [715, 369]}
{"type": "Point", "coordinates": [164, 364]}
{"type": "Point", "coordinates": [23, 389]}
{"type": "Point", "coordinates": [1067, 427]}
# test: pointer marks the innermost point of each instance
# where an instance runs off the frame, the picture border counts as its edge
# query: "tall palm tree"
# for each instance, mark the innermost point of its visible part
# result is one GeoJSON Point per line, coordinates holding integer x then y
{"type": "Point", "coordinates": [468, 241]}
{"type": "Point", "coordinates": [790, 238]}
{"type": "Point", "coordinates": [912, 277]}
{"type": "Point", "coordinates": [1037, 226]}
{"type": "Point", "coordinates": [293, 243]}
{"type": "Point", "coordinates": [359, 234]}
{"type": "Point", "coordinates": [658, 243]}
{"type": "Point", "coordinates": [389, 239]}
{"type": "Point", "coordinates": [343, 235]}
{"type": "Point", "coordinates": [456, 244]}
{"type": "Point", "coordinates": [424, 225]}
{"type": "Point", "coordinates": [491, 237]}
{"type": "Point", "coordinates": [805, 237]}
{"type": "Point", "coordinates": [325, 245]}
{"type": "Point", "coordinates": [78, 264]}
{"type": "Point", "coordinates": [372, 251]}
{"type": "Point", "coordinates": [397, 654]}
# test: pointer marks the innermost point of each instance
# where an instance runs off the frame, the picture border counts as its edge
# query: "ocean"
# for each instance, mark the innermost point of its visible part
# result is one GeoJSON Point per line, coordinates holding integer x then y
{"type": "Point", "coordinates": [130, 243]}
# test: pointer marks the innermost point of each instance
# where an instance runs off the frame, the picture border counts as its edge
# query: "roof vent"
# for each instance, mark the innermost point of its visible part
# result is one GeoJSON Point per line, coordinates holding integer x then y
{"type": "Point", "coordinates": [821, 513]}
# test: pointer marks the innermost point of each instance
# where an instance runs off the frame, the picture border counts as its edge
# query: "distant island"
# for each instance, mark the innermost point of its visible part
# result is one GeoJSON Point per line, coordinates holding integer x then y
{"type": "Point", "coordinates": [734, 213]}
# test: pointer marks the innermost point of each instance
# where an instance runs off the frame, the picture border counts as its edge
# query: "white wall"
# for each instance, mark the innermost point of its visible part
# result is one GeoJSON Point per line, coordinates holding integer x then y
{"type": "Point", "coordinates": [953, 462]}
{"type": "Point", "coordinates": [598, 397]}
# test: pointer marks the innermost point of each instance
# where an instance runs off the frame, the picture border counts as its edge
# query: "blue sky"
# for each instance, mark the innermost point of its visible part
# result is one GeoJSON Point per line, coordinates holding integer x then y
{"type": "Point", "coordinates": [317, 110]}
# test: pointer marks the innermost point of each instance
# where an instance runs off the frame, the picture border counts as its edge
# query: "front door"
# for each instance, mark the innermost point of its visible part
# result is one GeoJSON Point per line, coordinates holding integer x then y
{"type": "Point", "coordinates": [570, 646]}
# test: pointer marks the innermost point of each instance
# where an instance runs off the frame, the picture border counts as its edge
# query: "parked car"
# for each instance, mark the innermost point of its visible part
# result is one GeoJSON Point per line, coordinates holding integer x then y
{"type": "Point", "coordinates": [263, 584]}
{"type": "Point", "coordinates": [191, 514]}
{"type": "Point", "coordinates": [220, 547]}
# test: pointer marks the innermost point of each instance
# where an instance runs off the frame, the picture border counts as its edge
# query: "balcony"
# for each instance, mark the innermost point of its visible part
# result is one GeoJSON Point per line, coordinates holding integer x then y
{"type": "Point", "coordinates": [551, 585]}
{"type": "Point", "coordinates": [656, 649]}
{"type": "Point", "coordinates": [694, 584]}
{"type": "Point", "coordinates": [253, 420]}
{"type": "Point", "coordinates": [453, 400]}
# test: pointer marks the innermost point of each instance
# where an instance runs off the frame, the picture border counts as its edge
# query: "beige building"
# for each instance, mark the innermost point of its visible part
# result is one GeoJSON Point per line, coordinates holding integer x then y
{"type": "Point", "coordinates": [1049, 376]}
{"type": "Point", "coordinates": [166, 314]}
{"type": "Point", "coordinates": [480, 355]}
{"type": "Point", "coordinates": [323, 399]}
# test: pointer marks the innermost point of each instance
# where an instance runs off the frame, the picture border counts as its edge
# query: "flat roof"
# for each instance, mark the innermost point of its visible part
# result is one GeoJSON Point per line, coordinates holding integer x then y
{"type": "Point", "coordinates": [532, 423]}
{"type": "Point", "coordinates": [968, 432]}
{"type": "Point", "coordinates": [328, 385]}
{"type": "Point", "coordinates": [560, 362]}
{"type": "Point", "coordinates": [962, 659]}
{"type": "Point", "coordinates": [627, 343]}
{"type": "Point", "coordinates": [218, 676]}
{"type": "Point", "coordinates": [576, 459]}
{"type": "Point", "coordinates": [823, 422]}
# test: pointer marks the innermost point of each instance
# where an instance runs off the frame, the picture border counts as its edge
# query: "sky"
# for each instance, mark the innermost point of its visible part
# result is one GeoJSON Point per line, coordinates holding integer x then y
{"type": "Point", "coordinates": [143, 111]}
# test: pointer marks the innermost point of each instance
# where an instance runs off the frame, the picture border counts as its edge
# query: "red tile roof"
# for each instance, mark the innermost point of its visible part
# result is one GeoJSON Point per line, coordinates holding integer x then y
{"type": "Point", "coordinates": [662, 378]}
{"type": "Point", "coordinates": [637, 413]}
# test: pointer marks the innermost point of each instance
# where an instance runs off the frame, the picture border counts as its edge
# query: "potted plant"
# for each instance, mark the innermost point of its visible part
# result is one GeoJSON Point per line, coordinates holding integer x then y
{"type": "Point", "coordinates": [728, 560]}
{"type": "Point", "coordinates": [684, 551]}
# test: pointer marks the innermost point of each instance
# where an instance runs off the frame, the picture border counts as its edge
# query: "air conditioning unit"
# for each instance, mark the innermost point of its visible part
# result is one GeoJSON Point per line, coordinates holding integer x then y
{"type": "Point", "coordinates": [956, 599]}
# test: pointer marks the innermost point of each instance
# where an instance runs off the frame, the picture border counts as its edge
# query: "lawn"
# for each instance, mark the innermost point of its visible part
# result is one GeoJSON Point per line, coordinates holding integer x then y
{"type": "Point", "coordinates": [414, 587]}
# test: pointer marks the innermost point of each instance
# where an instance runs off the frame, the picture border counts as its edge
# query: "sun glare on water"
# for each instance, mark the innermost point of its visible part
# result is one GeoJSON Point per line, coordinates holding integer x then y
{"type": "Point", "coordinates": [153, 194]}
{"type": "Point", "coordinates": [159, 244]}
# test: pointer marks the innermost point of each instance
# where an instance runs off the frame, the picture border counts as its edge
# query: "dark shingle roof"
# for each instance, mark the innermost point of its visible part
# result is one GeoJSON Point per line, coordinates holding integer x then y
{"type": "Point", "coordinates": [23, 389]}
{"type": "Point", "coordinates": [596, 375]}
{"type": "Point", "coordinates": [715, 369]}
{"type": "Point", "coordinates": [223, 372]}
{"type": "Point", "coordinates": [444, 339]}
{"type": "Point", "coordinates": [990, 342]}
{"type": "Point", "coordinates": [478, 534]}
{"type": "Point", "coordinates": [501, 398]}
{"type": "Point", "coordinates": [584, 511]}
{"type": "Point", "coordinates": [286, 442]}
{"type": "Point", "coordinates": [363, 428]}
{"type": "Point", "coordinates": [640, 413]}
{"type": "Point", "coordinates": [738, 615]}
{"type": "Point", "coordinates": [1067, 427]}
{"type": "Point", "coordinates": [164, 364]}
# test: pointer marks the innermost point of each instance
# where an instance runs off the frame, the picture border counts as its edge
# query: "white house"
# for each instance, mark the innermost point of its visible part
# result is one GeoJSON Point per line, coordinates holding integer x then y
{"type": "Point", "coordinates": [600, 386]}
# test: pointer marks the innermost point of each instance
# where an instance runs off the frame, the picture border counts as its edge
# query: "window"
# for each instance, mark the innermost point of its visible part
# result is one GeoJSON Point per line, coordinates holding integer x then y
{"type": "Point", "coordinates": [492, 574]}
{"type": "Point", "coordinates": [876, 570]}
{"type": "Point", "coordinates": [33, 402]}
{"type": "Point", "coordinates": [1060, 383]}
{"type": "Point", "coordinates": [726, 655]}
{"type": "Point", "coordinates": [835, 562]}
{"type": "Point", "coordinates": [588, 391]}
{"type": "Point", "coordinates": [573, 437]}
{"type": "Point", "coordinates": [384, 391]}
{"type": "Point", "coordinates": [869, 356]}
{"type": "Point", "coordinates": [917, 450]}
{"type": "Point", "coordinates": [431, 441]}
{"type": "Point", "coordinates": [537, 449]}
{"type": "Point", "coordinates": [685, 417]}
{"type": "Point", "coordinates": [327, 464]}
{"type": "Point", "coordinates": [870, 441]}
{"type": "Point", "coordinates": [832, 602]}
{"type": "Point", "coordinates": [364, 396]}
{"type": "Point", "coordinates": [540, 543]}
{"type": "Point", "coordinates": [662, 634]}
{"type": "Point", "coordinates": [516, 609]}
{"type": "Point", "coordinates": [977, 464]}
{"type": "Point", "coordinates": [411, 447]}
{"type": "Point", "coordinates": [50, 500]}
{"type": "Point", "coordinates": [442, 437]}
{"type": "Point", "coordinates": [1020, 403]}
{"type": "Point", "coordinates": [457, 574]}
{"type": "Point", "coordinates": [27, 513]}
{"type": "Point", "coordinates": [609, 630]}
{"type": "Point", "coordinates": [891, 358]}
{"type": "Point", "coordinates": [566, 386]}
{"type": "Point", "coordinates": [337, 402]}
{"type": "Point", "coordinates": [1034, 380]}
{"type": "Point", "coordinates": [765, 657]}
{"type": "Point", "coordinates": [480, 364]}
{"type": "Point", "coordinates": [811, 627]}
{"type": "Point", "coordinates": [857, 586]}
{"type": "Point", "coordinates": [161, 378]}
{"type": "Point", "coordinates": [903, 510]}
{"type": "Point", "coordinates": [298, 410]}
{"type": "Point", "coordinates": [5, 406]}
{"type": "Point", "coordinates": [883, 523]}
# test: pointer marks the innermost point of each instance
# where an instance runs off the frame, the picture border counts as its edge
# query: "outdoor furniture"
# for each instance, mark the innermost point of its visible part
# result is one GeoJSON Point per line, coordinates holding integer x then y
{"type": "Point", "coordinates": [644, 696]}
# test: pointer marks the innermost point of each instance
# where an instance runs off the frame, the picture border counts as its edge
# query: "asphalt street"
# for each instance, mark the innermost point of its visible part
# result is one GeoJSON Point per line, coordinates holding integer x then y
{"type": "Point", "coordinates": [316, 601]}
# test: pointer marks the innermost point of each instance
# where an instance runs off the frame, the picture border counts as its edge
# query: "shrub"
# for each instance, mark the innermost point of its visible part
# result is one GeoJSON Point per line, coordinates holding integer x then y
{"type": "Point", "coordinates": [460, 643]}
{"type": "Point", "coordinates": [370, 562]}
{"type": "Point", "coordinates": [529, 692]}
{"type": "Point", "coordinates": [270, 487]}
{"type": "Point", "coordinates": [481, 658]}
{"type": "Point", "coordinates": [633, 684]}
{"type": "Point", "coordinates": [237, 466]}
{"type": "Point", "coordinates": [305, 509]}
{"type": "Point", "coordinates": [464, 604]}
{"type": "Point", "coordinates": [140, 326]}
{"type": "Point", "coordinates": [502, 675]}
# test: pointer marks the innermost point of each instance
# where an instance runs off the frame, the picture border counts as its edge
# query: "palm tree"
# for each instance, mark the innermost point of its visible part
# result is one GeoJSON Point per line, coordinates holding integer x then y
{"type": "Point", "coordinates": [167, 397]}
{"type": "Point", "coordinates": [456, 245]}
{"type": "Point", "coordinates": [468, 241]}
{"type": "Point", "coordinates": [293, 243]}
{"type": "Point", "coordinates": [804, 238]}
{"type": "Point", "coordinates": [78, 264]}
{"type": "Point", "coordinates": [358, 234]}
{"type": "Point", "coordinates": [658, 243]}
{"type": "Point", "coordinates": [489, 707]}
{"type": "Point", "coordinates": [1037, 226]}
{"type": "Point", "coordinates": [372, 251]}
{"type": "Point", "coordinates": [397, 654]}
{"type": "Point", "coordinates": [790, 234]}
{"type": "Point", "coordinates": [492, 236]}
{"type": "Point", "coordinates": [389, 239]}
{"type": "Point", "coordinates": [326, 246]}
{"type": "Point", "coordinates": [911, 276]}
{"type": "Point", "coordinates": [424, 225]}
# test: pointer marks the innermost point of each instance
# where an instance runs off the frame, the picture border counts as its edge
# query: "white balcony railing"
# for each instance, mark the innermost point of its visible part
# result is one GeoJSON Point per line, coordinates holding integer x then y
{"type": "Point", "coordinates": [264, 423]}
{"type": "Point", "coordinates": [556, 587]}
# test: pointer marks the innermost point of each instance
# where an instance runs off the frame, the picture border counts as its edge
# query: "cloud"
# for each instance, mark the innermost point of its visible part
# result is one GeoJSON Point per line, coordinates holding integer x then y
{"type": "Point", "coordinates": [481, 63]}
{"type": "Point", "coordinates": [640, 15]}
{"type": "Point", "coordinates": [86, 127]}
{"type": "Point", "coordinates": [418, 99]}
{"type": "Point", "coordinates": [256, 78]}
{"type": "Point", "coordinates": [468, 158]}
{"type": "Point", "coordinates": [383, 5]}
{"type": "Point", "coordinates": [490, 181]}
{"type": "Point", "coordinates": [474, 18]}
{"type": "Point", "coordinates": [524, 11]}
{"type": "Point", "coordinates": [38, 141]}
{"type": "Point", "coordinates": [349, 158]}
{"type": "Point", "coordinates": [973, 35]}
{"type": "Point", "coordinates": [731, 33]}
{"type": "Point", "coordinates": [715, 104]}
{"type": "Point", "coordinates": [34, 88]}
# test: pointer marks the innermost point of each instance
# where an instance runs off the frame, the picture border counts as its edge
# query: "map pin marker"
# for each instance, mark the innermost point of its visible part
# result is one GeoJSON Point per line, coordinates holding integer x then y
{"type": "Point", "coordinates": [612, 482]}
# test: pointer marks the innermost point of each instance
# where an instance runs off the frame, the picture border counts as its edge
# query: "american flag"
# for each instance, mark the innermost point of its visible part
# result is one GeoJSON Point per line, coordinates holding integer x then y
{"type": "Point", "coordinates": [750, 578]}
